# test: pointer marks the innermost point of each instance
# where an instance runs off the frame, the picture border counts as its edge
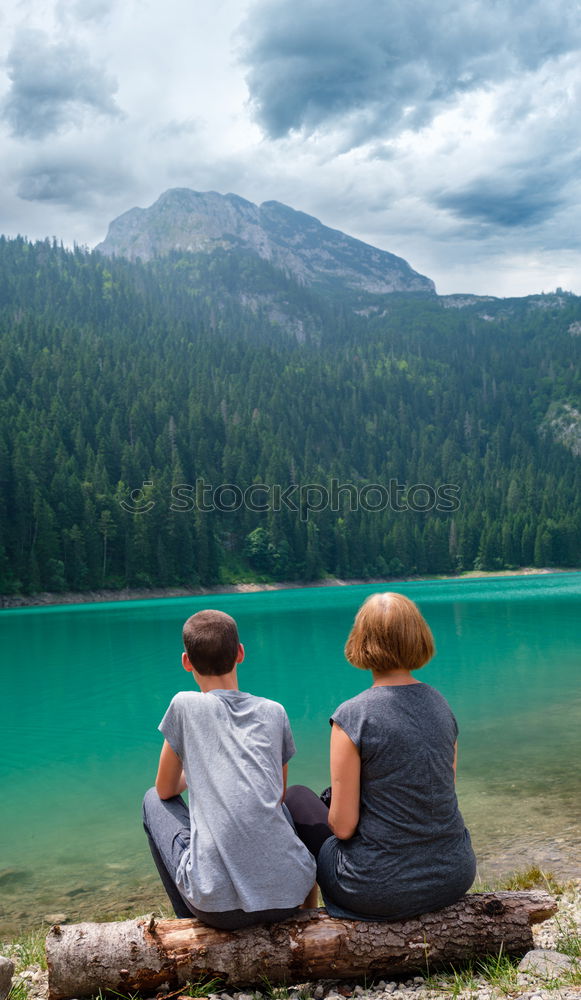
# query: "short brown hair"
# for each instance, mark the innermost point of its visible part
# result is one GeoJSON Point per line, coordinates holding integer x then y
{"type": "Point", "coordinates": [389, 633]}
{"type": "Point", "coordinates": [211, 642]}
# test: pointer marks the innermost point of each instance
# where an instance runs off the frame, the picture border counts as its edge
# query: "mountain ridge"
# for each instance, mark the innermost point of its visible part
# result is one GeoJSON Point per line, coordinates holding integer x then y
{"type": "Point", "coordinates": [293, 241]}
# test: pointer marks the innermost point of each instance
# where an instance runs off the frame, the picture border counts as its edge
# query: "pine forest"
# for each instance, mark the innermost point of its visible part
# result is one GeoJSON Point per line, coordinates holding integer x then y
{"type": "Point", "coordinates": [205, 419]}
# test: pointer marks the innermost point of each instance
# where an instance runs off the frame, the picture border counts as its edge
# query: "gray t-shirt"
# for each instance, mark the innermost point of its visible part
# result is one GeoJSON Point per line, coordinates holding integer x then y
{"type": "Point", "coordinates": [411, 852]}
{"type": "Point", "coordinates": [243, 853]}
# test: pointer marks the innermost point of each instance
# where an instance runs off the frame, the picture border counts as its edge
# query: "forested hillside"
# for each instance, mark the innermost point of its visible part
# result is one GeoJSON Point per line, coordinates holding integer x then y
{"type": "Point", "coordinates": [196, 371]}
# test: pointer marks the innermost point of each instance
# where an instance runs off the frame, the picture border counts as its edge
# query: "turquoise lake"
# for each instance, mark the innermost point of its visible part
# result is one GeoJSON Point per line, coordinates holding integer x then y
{"type": "Point", "coordinates": [84, 688]}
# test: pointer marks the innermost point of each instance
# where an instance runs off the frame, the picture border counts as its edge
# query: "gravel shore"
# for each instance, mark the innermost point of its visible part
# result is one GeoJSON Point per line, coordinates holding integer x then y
{"type": "Point", "coordinates": [497, 980]}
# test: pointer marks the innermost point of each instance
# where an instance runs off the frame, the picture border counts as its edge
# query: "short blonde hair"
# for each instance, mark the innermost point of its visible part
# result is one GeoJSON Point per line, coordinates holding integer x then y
{"type": "Point", "coordinates": [389, 633]}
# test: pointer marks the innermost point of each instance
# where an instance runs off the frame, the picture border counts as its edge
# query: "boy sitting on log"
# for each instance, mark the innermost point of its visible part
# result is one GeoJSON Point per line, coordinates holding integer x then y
{"type": "Point", "coordinates": [232, 859]}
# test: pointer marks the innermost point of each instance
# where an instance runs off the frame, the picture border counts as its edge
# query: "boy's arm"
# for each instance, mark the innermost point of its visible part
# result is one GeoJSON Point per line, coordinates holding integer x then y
{"type": "Point", "coordinates": [284, 780]}
{"type": "Point", "coordinates": [171, 779]}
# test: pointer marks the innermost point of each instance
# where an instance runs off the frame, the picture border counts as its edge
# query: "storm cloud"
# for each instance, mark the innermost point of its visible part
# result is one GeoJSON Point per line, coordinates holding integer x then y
{"type": "Point", "coordinates": [52, 86]}
{"type": "Point", "coordinates": [505, 201]}
{"type": "Point", "coordinates": [70, 181]}
{"type": "Point", "coordinates": [374, 68]}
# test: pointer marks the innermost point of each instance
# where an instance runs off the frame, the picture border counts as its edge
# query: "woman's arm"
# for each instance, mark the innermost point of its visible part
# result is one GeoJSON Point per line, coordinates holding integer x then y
{"type": "Point", "coordinates": [171, 779]}
{"type": "Point", "coordinates": [345, 784]}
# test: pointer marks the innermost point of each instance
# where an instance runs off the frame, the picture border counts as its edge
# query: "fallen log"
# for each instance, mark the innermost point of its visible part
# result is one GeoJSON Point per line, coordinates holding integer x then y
{"type": "Point", "coordinates": [146, 954]}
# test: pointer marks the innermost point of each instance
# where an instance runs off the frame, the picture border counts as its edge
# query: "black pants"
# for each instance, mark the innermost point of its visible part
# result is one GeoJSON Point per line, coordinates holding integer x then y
{"type": "Point", "coordinates": [310, 817]}
{"type": "Point", "coordinates": [167, 825]}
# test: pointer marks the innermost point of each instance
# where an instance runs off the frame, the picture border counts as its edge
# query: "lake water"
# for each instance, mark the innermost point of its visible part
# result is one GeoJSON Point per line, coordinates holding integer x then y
{"type": "Point", "coordinates": [84, 687]}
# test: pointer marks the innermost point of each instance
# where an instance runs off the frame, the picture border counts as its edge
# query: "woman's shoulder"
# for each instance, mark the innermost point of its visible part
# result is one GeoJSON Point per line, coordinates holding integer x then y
{"type": "Point", "coordinates": [370, 695]}
{"type": "Point", "coordinates": [389, 698]}
{"type": "Point", "coordinates": [436, 707]}
{"type": "Point", "coordinates": [351, 714]}
{"type": "Point", "coordinates": [432, 694]}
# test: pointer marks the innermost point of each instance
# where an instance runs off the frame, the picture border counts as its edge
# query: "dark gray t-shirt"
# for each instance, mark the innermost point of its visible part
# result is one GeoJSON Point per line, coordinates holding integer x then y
{"type": "Point", "coordinates": [243, 853]}
{"type": "Point", "coordinates": [411, 852]}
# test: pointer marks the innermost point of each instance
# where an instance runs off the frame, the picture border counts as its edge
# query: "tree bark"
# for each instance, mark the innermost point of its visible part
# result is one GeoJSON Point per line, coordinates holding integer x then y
{"type": "Point", "coordinates": [146, 954]}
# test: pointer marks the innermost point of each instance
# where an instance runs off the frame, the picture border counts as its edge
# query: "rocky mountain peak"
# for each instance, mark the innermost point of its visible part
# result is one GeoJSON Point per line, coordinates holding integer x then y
{"type": "Point", "coordinates": [297, 243]}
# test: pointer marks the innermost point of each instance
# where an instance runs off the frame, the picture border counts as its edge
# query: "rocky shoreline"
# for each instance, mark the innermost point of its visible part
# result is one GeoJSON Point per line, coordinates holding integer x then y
{"type": "Point", "coordinates": [551, 972]}
{"type": "Point", "coordinates": [47, 599]}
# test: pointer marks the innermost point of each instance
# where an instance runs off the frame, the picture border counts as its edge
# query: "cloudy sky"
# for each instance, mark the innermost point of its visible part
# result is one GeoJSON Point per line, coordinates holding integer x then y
{"type": "Point", "coordinates": [446, 131]}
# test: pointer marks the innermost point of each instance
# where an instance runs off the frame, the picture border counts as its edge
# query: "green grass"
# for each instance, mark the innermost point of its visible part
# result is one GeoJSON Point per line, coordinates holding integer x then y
{"type": "Point", "coordinates": [528, 878]}
{"type": "Point", "coordinates": [569, 943]}
{"type": "Point", "coordinates": [26, 949]}
{"type": "Point", "coordinates": [202, 987]}
{"type": "Point", "coordinates": [453, 981]}
{"type": "Point", "coordinates": [281, 992]}
{"type": "Point", "coordinates": [569, 939]}
{"type": "Point", "coordinates": [273, 992]}
{"type": "Point", "coordinates": [18, 991]}
{"type": "Point", "coordinates": [123, 996]}
{"type": "Point", "coordinates": [499, 971]}
{"type": "Point", "coordinates": [534, 878]}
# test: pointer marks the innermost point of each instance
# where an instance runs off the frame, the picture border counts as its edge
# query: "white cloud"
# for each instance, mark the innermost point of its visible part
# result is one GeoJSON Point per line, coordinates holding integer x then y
{"type": "Point", "coordinates": [483, 196]}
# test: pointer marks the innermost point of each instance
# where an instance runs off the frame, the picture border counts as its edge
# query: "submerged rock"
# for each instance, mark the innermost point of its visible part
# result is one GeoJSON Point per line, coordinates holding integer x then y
{"type": "Point", "coordinates": [9, 875]}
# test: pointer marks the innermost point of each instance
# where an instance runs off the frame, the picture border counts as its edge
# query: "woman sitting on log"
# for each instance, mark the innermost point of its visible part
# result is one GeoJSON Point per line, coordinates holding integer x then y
{"type": "Point", "coordinates": [393, 843]}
